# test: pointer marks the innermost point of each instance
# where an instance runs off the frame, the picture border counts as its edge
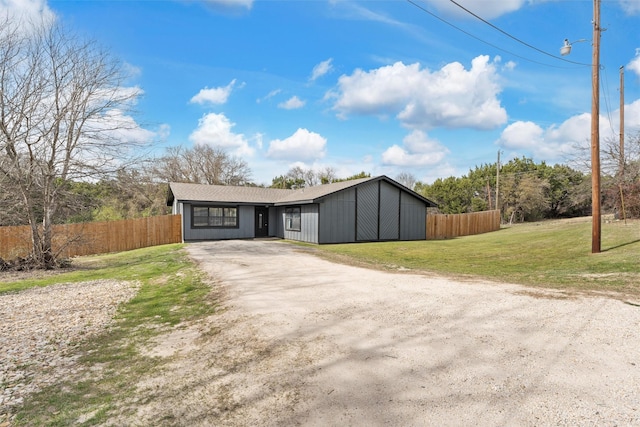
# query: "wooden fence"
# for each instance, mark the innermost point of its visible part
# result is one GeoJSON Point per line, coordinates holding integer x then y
{"type": "Point", "coordinates": [455, 225]}
{"type": "Point", "coordinates": [96, 237]}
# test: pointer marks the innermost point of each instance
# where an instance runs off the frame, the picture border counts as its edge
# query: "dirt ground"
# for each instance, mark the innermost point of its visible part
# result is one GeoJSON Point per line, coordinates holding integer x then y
{"type": "Point", "coordinates": [303, 341]}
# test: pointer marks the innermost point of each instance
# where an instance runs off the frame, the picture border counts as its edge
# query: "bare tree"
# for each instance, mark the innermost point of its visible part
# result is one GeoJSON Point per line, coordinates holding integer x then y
{"type": "Point", "coordinates": [621, 191]}
{"type": "Point", "coordinates": [407, 179]}
{"type": "Point", "coordinates": [201, 164]}
{"type": "Point", "coordinates": [327, 175]}
{"type": "Point", "coordinates": [63, 118]}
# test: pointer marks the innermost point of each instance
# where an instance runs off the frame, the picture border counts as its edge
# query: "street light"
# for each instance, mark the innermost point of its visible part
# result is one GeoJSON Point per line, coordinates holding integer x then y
{"type": "Point", "coordinates": [566, 47]}
{"type": "Point", "coordinates": [595, 126]}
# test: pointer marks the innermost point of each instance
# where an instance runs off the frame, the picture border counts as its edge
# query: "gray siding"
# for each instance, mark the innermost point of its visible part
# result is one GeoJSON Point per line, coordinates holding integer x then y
{"type": "Point", "coordinates": [308, 225]}
{"type": "Point", "coordinates": [177, 208]}
{"type": "Point", "coordinates": [413, 218]}
{"type": "Point", "coordinates": [338, 218]}
{"type": "Point", "coordinates": [273, 222]}
{"type": "Point", "coordinates": [389, 212]}
{"type": "Point", "coordinates": [246, 229]}
{"type": "Point", "coordinates": [367, 198]}
{"type": "Point", "coordinates": [279, 222]}
{"type": "Point", "coordinates": [369, 211]}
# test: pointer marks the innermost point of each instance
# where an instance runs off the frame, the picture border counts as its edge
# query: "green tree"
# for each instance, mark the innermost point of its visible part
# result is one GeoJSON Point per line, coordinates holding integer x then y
{"type": "Point", "coordinates": [360, 175]}
{"type": "Point", "coordinates": [528, 190]}
{"type": "Point", "coordinates": [453, 195]}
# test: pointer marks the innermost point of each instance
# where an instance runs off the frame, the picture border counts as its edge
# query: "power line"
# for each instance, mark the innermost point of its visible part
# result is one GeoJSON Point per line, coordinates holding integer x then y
{"type": "Point", "coordinates": [606, 99]}
{"type": "Point", "coordinates": [514, 37]}
{"type": "Point", "coordinates": [481, 40]}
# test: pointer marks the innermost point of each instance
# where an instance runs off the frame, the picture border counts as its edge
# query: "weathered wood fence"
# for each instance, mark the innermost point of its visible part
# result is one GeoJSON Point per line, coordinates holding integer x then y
{"type": "Point", "coordinates": [96, 237]}
{"type": "Point", "coordinates": [454, 225]}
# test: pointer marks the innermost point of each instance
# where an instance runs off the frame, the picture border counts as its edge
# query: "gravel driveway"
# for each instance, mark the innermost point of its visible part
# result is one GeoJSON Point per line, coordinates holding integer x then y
{"type": "Point", "coordinates": [340, 345]}
{"type": "Point", "coordinates": [303, 341]}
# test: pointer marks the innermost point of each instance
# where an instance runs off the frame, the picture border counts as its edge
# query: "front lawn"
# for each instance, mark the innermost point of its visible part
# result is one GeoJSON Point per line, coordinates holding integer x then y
{"type": "Point", "coordinates": [555, 254]}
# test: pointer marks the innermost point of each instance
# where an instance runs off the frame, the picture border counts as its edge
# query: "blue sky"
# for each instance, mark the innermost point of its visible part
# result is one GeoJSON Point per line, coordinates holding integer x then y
{"type": "Point", "coordinates": [377, 86]}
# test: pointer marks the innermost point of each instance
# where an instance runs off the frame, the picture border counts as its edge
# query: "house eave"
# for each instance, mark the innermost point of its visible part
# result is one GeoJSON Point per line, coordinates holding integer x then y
{"type": "Point", "coordinates": [226, 202]}
{"type": "Point", "coordinates": [296, 202]}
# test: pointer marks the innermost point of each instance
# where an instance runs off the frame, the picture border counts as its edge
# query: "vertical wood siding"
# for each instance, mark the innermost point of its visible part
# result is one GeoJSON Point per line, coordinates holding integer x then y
{"type": "Point", "coordinates": [413, 214]}
{"type": "Point", "coordinates": [367, 211]}
{"type": "Point", "coordinates": [308, 225]}
{"type": "Point", "coordinates": [389, 228]}
{"type": "Point", "coordinates": [337, 217]}
{"type": "Point", "coordinates": [455, 225]}
{"type": "Point", "coordinates": [96, 237]}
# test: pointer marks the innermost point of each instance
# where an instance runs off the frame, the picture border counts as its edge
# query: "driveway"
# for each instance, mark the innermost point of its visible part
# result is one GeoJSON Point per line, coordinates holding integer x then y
{"type": "Point", "coordinates": [304, 341]}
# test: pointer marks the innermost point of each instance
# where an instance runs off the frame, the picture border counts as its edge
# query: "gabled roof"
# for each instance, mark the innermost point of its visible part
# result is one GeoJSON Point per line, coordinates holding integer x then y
{"type": "Point", "coordinates": [313, 194]}
{"type": "Point", "coordinates": [223, 193]}
{"type": "Point", "coordinates": [270, 196]}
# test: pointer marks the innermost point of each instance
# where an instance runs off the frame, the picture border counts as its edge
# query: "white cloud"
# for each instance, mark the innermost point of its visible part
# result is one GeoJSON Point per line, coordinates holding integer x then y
{"type": "Point", "coordinates": [215, 130]}
{"type": "Point", "coordinates": [554, 143]}
{"type": "Point", "coordinates": [634, 65]}
{"type": "Point", "coordinates": [321, 69]}
{"type": "Point", "coordinates": [27, 12]}
{"type": "Point", "coordinates": [303, 145]}
{"type": "Point", "coordinates": [631, 7]}
{"type": "Point", "coordinates": [216, 95]}
{"type": "Point", "coordinates": [631, 117]}
{"type": "Point", "coordinates": [269, 95]}
{"type": "Point", "coordinates": [559, 142]}
{"type": "Point", "coordinates": [163, 132]}
{"type": "Point", "coordinates": [128, 129]}
{"type": "Point", "coordinates": [292, 103]}
{"type": "Point", "coordinates": [487, 9]}
{"type": "Point", "coordinates": [417, 150]}
{"type": "Point", "coordinates": [518, 135]}
{"type": "Point", "coordinates": [131, 70]}
{"type": "Point", "coordinates": [231, 4]}
{"type": "Point", "coordinates": [509, 66]}
{"type": "Point", "coordinates": [450, 97]}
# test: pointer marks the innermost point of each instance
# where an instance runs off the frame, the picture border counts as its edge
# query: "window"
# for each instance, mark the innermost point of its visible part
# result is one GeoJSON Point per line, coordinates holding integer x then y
{"type": "Point", "coordinates": [215, 216]}
{"type": "Point", "coordinates": [292, 219]}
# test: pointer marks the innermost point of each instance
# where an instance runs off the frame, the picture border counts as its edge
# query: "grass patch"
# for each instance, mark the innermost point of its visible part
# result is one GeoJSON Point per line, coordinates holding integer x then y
{"type": "Point", "coordinates": [172, 290]}
{"type": "Point", "coordinates": [142, 264]}
{"type": "Point", "coordinates": [553, 254]}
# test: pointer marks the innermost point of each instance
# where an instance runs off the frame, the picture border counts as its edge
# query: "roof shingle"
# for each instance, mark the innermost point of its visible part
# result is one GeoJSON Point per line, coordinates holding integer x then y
{"type": "Point", "coordinates": [261, 195]}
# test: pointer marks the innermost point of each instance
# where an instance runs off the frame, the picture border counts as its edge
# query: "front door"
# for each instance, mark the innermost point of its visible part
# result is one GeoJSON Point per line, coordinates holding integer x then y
{"type": "Point", "coordinates": [262, 221]}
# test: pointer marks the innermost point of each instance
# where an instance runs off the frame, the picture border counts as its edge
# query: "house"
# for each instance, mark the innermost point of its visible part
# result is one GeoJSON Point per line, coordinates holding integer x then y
{"type": "Point", "coordinates": [361, 210]}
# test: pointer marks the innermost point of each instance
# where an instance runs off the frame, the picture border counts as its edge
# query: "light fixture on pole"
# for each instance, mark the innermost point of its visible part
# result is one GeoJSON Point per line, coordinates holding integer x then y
{"type": "Point", "coordinates": [566, 47]}
{"type": "Point", "coordinates": [595, 126]}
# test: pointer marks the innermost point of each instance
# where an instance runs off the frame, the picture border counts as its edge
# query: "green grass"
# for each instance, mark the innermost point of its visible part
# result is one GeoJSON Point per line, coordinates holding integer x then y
{"type": "Point", "coordinates": [172, 290]}
{"type": "Point", "coordinates": [142, 264]}
{"type": "Point", "coordinates": [554, 254]}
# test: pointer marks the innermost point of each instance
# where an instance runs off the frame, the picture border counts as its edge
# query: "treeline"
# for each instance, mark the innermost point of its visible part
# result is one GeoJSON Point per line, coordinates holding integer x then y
{"type": "Point", "coordinates": [523, 191]}
{"type": "Point", "coordinates": [140, 189]}
{"type": "Point", "coordinates": [136, 190]}
{"type": "Point", "coordinates": [529, 191]}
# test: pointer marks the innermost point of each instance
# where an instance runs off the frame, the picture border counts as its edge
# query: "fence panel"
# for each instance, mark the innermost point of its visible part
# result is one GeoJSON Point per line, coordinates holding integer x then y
{"type": "Point", "coordinates": [96, 237]}
{"type": "Point", "coordinates": [443, 226]}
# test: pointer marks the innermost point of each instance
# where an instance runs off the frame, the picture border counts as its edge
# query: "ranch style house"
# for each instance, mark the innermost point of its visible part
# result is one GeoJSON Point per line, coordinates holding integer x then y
{"type": "Point", "coordinates": [361, 210]}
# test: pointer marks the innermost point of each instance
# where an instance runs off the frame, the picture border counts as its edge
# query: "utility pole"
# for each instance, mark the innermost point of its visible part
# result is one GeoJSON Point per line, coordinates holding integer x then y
{"type": "Point", "coordinates": [622, 121]}
{"type": "Point", "coordinates": [595, 132]}
{"type": "Point", "coordinates": [621, 171]}
{"type": "Point", "coordinates": [498, 182]}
